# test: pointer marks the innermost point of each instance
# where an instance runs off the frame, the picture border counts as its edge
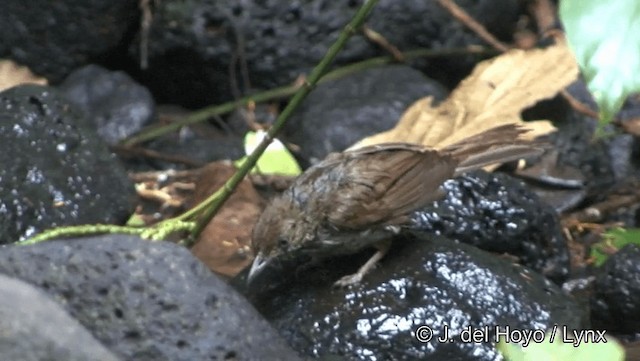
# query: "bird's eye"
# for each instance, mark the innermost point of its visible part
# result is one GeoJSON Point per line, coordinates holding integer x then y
{"type": "Point", "coordinates": [282, 243]}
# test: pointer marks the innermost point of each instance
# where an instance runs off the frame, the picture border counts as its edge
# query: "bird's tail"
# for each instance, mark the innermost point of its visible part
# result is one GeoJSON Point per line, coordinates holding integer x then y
{"type": "Point", "coordinates": [500, 144]}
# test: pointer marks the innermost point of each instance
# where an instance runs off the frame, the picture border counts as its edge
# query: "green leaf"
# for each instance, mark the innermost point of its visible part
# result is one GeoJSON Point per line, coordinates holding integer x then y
{"type": "Point", "coordinates": [276, 159]}
{"type": "Point", "coordinates": [558, 350]}
{"type": "Point", "coordinates": [605, 38]}
{"type": "Point", "coordinates": [135, 221]}
{"type": "Point", "coordinates": [613, 240]}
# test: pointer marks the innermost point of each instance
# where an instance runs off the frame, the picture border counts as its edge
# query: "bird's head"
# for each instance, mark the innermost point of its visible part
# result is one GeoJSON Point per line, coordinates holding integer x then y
{"type": "Point", "coordinates": [281, 237]}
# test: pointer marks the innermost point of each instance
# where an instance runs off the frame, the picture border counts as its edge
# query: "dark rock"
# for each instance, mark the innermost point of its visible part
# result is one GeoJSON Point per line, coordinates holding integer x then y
{"type": "Point", "coordinates": [36, 328]}
{"type": "Point", "coordinates": [426, 281]}
{"type": "Point", "coordinates": [53, 38]}
{"type": "Point", "coordinates": [340, 112]}
{"type": "Point", "coordinates": [609, 165]}
{"type": "Point", "coordinates": [118, 105]}
{"type": "Point", "coordinates": [624, 148]}
{"type": "Point", "coordinates": [197, 147]}
{"type": "Point", "coordinates": [146, 300]}
{"type": "Point", "coordinates": [193, 44]}
{"type": "Point", "coordinates": [499, 214]}
{"type": "Point", "coordinates": [603, 161]}
{"type": "Point", "coordinates": [191, 146]}
{"type": "Point", "coordinates": [55, 170]}
{"type": "Point", "coordinates": [615, 304]}
{"type": "Point", "coordinates": [576, 148]}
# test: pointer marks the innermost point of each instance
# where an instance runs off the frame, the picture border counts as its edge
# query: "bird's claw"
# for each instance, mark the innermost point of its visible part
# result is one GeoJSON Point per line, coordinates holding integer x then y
{"type": "Point", "coordinates": [349, 280]}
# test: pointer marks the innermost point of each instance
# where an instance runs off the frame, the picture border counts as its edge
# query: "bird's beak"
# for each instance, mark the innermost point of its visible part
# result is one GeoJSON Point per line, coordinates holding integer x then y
{"type": "Point", "coordinates": [259, 264]}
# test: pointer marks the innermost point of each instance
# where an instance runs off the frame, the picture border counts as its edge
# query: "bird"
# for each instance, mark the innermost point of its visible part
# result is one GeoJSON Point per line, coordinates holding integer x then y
{"type": "Point", "coordinates": [362, 198]}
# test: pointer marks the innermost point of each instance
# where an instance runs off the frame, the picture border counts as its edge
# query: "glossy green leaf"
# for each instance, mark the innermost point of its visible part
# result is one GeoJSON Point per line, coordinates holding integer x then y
{"type": "Point", "coordinates": [276, 159]}
{"type": "Point", "coordinates": [613, 240]}
{"type": "Point", "coordinates": [605, 38]}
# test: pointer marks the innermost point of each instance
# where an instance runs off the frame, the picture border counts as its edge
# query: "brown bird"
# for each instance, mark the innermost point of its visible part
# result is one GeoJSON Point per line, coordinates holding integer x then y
{"type": "Point", "coordinates": [361, 198]}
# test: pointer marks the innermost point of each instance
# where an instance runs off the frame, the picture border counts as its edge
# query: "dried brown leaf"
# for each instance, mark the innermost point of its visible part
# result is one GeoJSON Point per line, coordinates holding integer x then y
{"type": "Point", "coordinates": [224, 244]}
{"type": "Point", "coordinates": [494, 94]}
{"type": "Point", "coordinates": [12, 74]}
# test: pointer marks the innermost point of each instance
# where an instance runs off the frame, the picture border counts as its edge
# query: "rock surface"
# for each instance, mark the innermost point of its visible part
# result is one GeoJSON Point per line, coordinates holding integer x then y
{"type": "Point", "coordinates": [498, 213]}
{"type": "Point", "coordinates": [193, 44]}
{"type": "Point", "coordinates": [615, 304]}
{"type": "Point", "coordinates": [118, 106]}
{"type": "Point", "coordinates": [54, 38]}
{"type": "Point", "coordinates": [424, 281]}
{"type": "Point", "coordinates": [55, 170]}
{"type": "Point", "coordinates": [34, 328]}
{"type": "Point", "coordinates": [145, 300]}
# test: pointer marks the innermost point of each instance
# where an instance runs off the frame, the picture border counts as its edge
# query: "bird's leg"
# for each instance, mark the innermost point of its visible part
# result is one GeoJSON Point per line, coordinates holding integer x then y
{"type": "Point", "coordinates": [353, 279]}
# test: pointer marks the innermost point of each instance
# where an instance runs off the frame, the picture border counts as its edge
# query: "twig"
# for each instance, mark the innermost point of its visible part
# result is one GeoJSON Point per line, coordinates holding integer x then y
{"type": "Point", "coordinates": [598, 211]}
{"type": "Point", "coordinates": [377, 38]}
{"type": "Point", "coordinates": [148, 153]}
{"type": "Point", "coordinates": [145, 27]}
{"type": "Point", "coordinates": [238, 58]}
{"type": "Point", "coordinates": [472, 24]}
{"type": "Point", "coordinates": [578, 106]}
{"type": "Point", "coordinates": [169, 175]}
{"type": "Point", "coordinates": [544, 14]}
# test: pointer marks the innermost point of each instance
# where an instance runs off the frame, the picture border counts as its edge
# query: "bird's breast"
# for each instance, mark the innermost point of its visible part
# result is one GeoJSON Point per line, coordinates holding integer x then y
{"type": "Point", "coordinates": [338, 243]}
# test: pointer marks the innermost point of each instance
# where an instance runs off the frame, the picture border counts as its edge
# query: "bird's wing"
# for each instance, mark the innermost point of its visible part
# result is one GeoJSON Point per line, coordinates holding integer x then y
{"type": "Point", "coordinates": [383, 184]}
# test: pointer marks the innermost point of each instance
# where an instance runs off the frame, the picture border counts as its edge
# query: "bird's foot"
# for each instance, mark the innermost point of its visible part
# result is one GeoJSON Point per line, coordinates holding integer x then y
{"type": "Point", "coordinates": [354, 279]}
{"type": "Point", "coordinates": [349, 280]}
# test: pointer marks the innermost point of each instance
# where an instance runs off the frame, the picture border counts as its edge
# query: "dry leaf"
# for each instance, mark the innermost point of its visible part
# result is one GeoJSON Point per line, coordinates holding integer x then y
{"type": "Point", "coordinates": [224, 244]}
{"type": "Point", "coordinates": [495, 93]}
{"type": "Point", "coordinates": [12, 74]}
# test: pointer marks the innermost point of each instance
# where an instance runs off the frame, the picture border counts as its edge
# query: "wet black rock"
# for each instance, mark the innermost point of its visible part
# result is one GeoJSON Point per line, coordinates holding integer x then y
{"type": "Point", "coordinates": [55, 37]}
{"type": "Point", "coordinates": [55, 169]}
{"type": "Point", "coordinates": [146, 300]}
{"type": "Point", "coordinates": [36, 328]}
{"type": "Point", "coordinates": [193, 44]}
{"type": "Point", "coordinates": [117, 105]}
{"type": "Point", "coordinates": [499, 214]}
{"type": "Point", "coordinates": [424, 281]}
{"type": "Point", "coordinates": [615, 304]}
{"type": "Point", "coordinates": [340, 112]}
{"type": "Point", "coordinates": [199, 148]}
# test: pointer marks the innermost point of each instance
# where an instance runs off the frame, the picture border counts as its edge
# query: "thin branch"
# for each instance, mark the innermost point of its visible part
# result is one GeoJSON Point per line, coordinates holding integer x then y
{"type": "Point", "coordinates": [579, 106]}
{"type": "Point", "coordinates": [462, 16]}
{"type": "Point", "coordinates": [381, 41]}
{"type": "Point", "coordinates": [152, 154]}
{"type": "Point", "coordinates": [146, 19]}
